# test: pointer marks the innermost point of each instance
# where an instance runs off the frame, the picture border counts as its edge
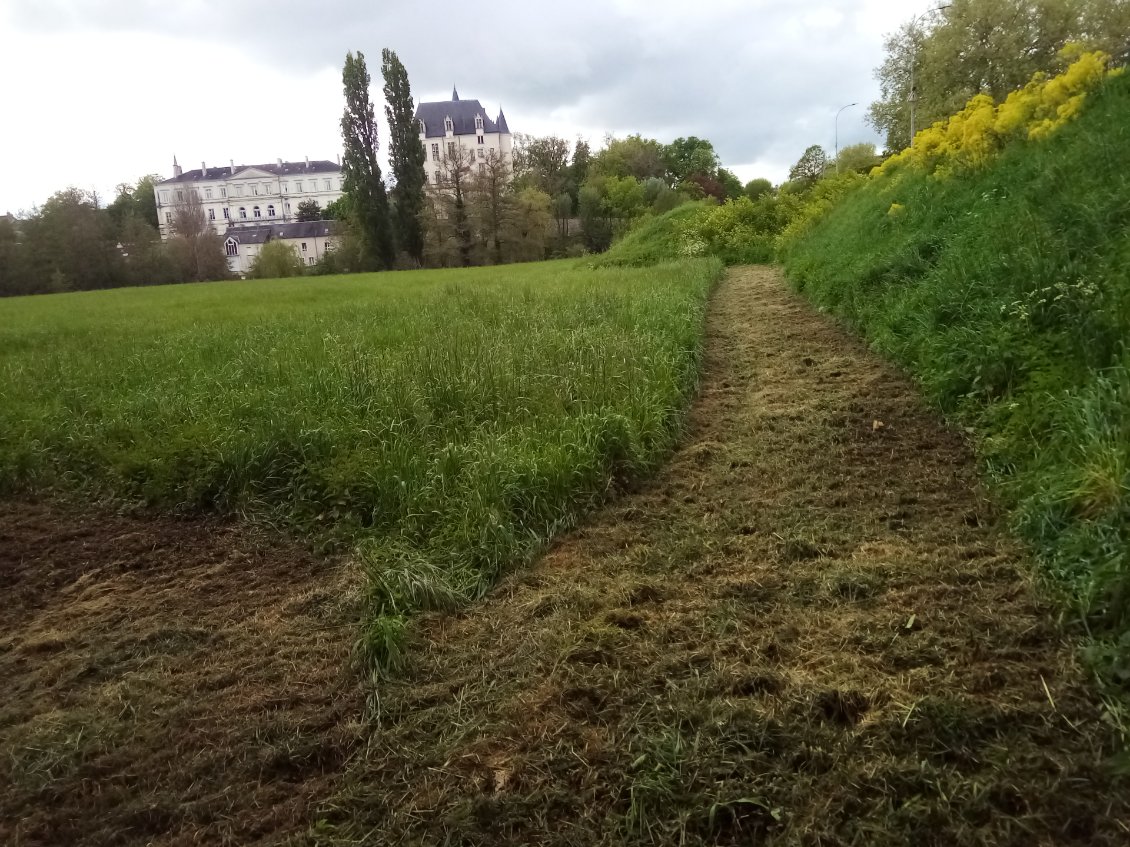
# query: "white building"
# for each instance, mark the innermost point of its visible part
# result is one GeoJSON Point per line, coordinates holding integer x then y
{"type": "Point", "coordinates": [308, 239]}
{"type": "Point", "coordinates": [248, 195]}
{"type": "Point", "coordinates": [448, 124]}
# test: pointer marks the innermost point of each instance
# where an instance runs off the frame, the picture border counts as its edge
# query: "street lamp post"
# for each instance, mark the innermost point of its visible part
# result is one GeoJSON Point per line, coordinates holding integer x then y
{"type": "Point", "coordinates": [848, 106]}
{"type": "Point", "coordinates": [913, 97]}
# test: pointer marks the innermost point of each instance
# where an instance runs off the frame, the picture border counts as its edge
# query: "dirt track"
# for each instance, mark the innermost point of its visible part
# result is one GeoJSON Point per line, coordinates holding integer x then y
{"type": "Point", "coordinates": [808, 629]}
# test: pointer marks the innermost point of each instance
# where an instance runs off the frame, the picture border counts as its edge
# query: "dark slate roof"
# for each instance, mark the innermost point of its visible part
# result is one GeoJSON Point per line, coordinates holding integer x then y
{"type": "Point", "coordinates": [462, 114]}
{"type": "Point", "coordinates": [262, 233]}
{"type": "Point", "coordinates": [502, 127]}
{"type": "Point", "coordinates": [320, 166]}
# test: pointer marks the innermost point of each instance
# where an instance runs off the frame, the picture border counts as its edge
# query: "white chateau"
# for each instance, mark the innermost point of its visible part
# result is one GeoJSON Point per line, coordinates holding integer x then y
{"type": "Point", "coordinates": [448, 124]}
{"type": "Point", "coordinates": [252, 204]}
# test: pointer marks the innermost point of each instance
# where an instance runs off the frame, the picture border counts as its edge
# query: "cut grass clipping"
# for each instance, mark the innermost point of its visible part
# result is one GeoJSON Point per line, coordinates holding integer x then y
{"type": "Point", "coordinates": [446, 423]}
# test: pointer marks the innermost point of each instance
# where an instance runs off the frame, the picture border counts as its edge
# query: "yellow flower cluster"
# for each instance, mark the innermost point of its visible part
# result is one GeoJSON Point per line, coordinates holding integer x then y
{"type": "Point", "coordinates": [972, 136]}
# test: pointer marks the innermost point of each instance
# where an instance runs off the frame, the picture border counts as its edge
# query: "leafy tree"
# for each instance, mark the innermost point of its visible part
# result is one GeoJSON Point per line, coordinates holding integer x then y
{"type": "Point", "coordinates": [363, 184]}
{"type": "Point", "coordinates": [309, 210]}
{"type": "Point", "coordinates": [562, 214]}
{"type": "Point", "coordinates": [406, 155]}
{"type": "Point", "coordinates": [858, 157]}
{"type": "Point", "coordinates": [810, 167]}
{"type": "Point", "coordinates": [528, 225]}
{"type": "Point", "coordinates": [490, 198]}
{"type": "Point", "coordinates": [277, 260]}
{"type": "Point", "coordinates": [757, 188]}
{"type": "Point", "coordinates": [578, 169]}
{"type": "Point", "coordinates": [195, 247]}
{"type": "Point", "coordinates": [983, 46]}
{"type": "Point", "coordinates": [685, 158]}
{"type": "Point", "coordinates": [731, 185]}
{"type": "Point", "coordinates": [541, 163]}
{"type": "Point", "coordinates": [70, 243]}
{"type": "Point", "coordinates": [449, 215]}
{"type": "Point", "coordinates": [337, 210]}
{"type": "Point", "coordinates": [624, 199]}
{"type": "Point", "coordinates": [634, 156]}
{"type": "Point", "coordinates": [596, 225]}
{"type": "Point", "coordinates": [14, 277]}
{"type": "Point", "coordinates": [137, 201]}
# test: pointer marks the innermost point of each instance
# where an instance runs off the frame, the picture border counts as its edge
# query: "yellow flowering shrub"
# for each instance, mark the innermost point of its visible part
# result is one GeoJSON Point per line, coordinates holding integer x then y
{"type": "Point", "coordinates": [974, 135]}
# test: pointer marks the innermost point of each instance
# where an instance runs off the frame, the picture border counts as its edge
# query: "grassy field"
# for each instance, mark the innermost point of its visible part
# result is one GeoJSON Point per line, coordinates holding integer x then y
{"type": "Point", "coordinates": [446, 423]}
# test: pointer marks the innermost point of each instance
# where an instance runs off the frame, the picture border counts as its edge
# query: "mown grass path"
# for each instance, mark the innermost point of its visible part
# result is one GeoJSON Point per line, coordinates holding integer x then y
{"type": "Point", "coordinates": [808, 629]}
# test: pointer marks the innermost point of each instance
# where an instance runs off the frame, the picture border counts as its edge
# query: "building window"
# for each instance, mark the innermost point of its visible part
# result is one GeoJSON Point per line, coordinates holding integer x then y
{"type": "Point", "coordinates": [482, 153]}
{"type": "Point", "coordinates": [207, 193]}
{"type": "Point", "coordinates": [266, 188]}
{"type": "Point", "coordinates": [239, 191]}
{"type": "Point", "coordinates": [227, 214]}
{"type": "Point", "coordinates": [423, 129]}
{"type": "Point", "coordinates": [243, 213]}
{"type": "Point", "coordinates": [303, 246]}
{"type": "Point", "coordinates": [492, 152]}
{"type": "Point", "coordinates": [164, 197]}
{"type": "Point", "coordinates": [169, 215]}
{"type": "Point", "coordinates": [288, 208]}
{"type": "Point", "coordinates": [255, 190]}
{"type": "Point", "coordinates": [451, 149]}
{"type": "Point", "coordinates": [329, 185]}
{"type": "Point", "coordinates": [310, 260]}
{"type": "Point", "coordinates": [286, 188]}
{"type": "Point", "coordinates": [231, 247]}
{"type": "Point", "coordinates": [438, 178]}
{"type": "Point", "coordinates": [255, 211]}
{"type": "Point", "coordinates": [478, 122]}
{"type": "Point", "coordinates": [435, 152]}
{"type": "Point", "coordinates": [448, 125]}
{"type": "Point", "coordinates": [271, 211]}
{"type": "Point", "coordinates": [211, 214]}
{"type": "Point", "coordinates": [223, 192]}
{"type": "Point", "coordinates": [298, 186]}
{"type": "Point", "coordinates": [480, 139]}
{"type": "Point", "coordinates": [180, 196]}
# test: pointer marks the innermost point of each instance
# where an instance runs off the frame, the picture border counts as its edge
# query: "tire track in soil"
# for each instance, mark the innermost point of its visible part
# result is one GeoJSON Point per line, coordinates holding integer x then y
{"type": "Point", "coordinates": [810, 628]}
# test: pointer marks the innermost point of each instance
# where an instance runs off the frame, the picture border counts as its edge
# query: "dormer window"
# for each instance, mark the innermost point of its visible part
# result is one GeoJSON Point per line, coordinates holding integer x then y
{"type": "Point", "coordinates": [449, 125]}
{"type": "Point", "coordinates": [423, 129]}
{"type": "Point", "coordinates": [479, 122]}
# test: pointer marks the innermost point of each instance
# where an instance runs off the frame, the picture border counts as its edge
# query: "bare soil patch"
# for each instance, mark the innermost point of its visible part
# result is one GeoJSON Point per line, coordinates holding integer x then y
{"type": "Point", "coordinates": [166, 681]}
{"type": "Point", "coordinates": [809, 629]}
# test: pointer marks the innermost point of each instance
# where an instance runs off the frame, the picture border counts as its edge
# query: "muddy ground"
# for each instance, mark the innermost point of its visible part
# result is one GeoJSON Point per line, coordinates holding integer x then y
{"type": "Point", "coordinates": [810, 628]}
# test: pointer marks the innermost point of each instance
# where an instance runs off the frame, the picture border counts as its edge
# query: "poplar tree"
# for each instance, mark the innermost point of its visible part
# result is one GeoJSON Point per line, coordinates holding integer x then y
{"type": "Point", "coordinates": [406, 155]}
{"type": "Point", "coordinates": [363, 184]}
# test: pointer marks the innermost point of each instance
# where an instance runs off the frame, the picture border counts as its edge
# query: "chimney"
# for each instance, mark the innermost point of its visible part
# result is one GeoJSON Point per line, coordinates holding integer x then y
{"type": "Point", "coordinates": [307, 163]}
{"type": "Point", "coordinates": [339, 160]}
{"type": "Point", "coordinates": [280, 163]}
{"type": "Point", "coordinates": [232, 165]}
{"type": "Point", "coordinates": [203, 169]}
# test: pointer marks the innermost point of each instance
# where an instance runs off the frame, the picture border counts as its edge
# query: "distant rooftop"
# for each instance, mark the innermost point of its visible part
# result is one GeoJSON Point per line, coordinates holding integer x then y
{"type": "Point", "coordinates": [462, 114]}
{"type": "Point", "coordinates": [319, 166]}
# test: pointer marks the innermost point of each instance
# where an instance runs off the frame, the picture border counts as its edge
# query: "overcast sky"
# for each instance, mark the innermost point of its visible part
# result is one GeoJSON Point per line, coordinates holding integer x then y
{"type": "Point", "coordinates": [98, 92]}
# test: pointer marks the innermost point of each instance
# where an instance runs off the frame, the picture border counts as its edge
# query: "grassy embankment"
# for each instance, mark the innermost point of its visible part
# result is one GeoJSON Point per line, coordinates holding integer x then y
{"type": "Point", "coordinates": [445, 423]}
{"type": "Point", "coordinates": [1005, 291]}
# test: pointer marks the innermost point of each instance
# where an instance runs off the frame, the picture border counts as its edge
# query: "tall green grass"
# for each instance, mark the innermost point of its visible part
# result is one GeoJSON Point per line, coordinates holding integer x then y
{"type": "Point", "coordinates": [445, 423]}
{"type": "Point", "coordinates": [1006, 292]}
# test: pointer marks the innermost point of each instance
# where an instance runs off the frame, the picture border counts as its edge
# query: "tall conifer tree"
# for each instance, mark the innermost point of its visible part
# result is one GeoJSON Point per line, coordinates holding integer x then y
{"type": "Point", "coordinates": [363, 184]}
{"type": "Point", "coordinates": [406, 155]}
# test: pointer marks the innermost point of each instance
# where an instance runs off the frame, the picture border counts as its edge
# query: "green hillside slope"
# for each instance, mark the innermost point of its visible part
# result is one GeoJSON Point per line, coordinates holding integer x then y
{"type": "Point", "coordinates": [1005, 290]}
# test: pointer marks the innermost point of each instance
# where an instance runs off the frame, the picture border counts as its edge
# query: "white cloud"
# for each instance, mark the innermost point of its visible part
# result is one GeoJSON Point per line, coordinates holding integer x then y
{"type": "Point", "coordinates": [103, 91]}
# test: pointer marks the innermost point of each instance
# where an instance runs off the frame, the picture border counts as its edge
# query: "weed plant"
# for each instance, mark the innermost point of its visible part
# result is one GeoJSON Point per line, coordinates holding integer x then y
{"type": "Point", "coordinates": [445, 424]}
{"type": "Point", "coordinates": [1005, 290]}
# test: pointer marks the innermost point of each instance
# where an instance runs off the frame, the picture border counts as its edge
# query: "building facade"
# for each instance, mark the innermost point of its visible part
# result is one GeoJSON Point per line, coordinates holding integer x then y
{"type": "Point", "coordinates": [308, 239]}
{"type": "Point", "coordinates": [450, 127]}
{"type": "Point", "coordinates": [248, 195]}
